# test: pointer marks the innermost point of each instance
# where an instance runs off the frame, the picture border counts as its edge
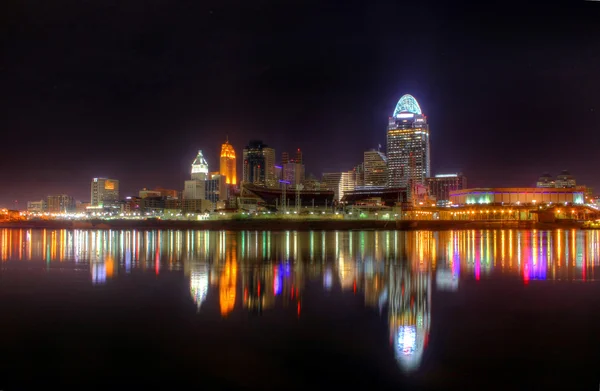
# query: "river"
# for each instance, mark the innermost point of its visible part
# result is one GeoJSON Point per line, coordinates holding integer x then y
{"type": "Point", "coordinates": [422, 310]}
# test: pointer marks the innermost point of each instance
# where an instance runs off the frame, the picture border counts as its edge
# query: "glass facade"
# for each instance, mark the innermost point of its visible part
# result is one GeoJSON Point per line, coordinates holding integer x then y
{"type": "Point", "coordinates": [407, 149]}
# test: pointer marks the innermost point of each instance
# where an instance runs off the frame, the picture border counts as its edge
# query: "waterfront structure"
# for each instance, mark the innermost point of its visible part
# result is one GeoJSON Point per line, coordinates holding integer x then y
{"type": "Point", "coordinates": [36, 206]}
{"type": "Point", "coordinates": [276, 197]}
{"type": "Point", "coordinates": [259, 163]}
{"type": "Point", "coordinates": [375, 168]}
{"type": "Point", "coordinates": [565, 180]}
{"type": "Point", "coordinates": [517, 196]}
{"type": "Point", "coordinates": [105, 192]}
{"type": "Point", "coordinates": [441, 185]}
{"type": "Point", "coordinates": [407, 154]}
{"type": "Point", "coordinates": [339, 182]}
{"type": "Point", "coordinates": [227, 166]}
{"type": "Point", "coordinates": [368, 196]}
{"type": "Point", "coordinates": [546, 181]}
{"type": "Point", "coordinates": [60, 203]}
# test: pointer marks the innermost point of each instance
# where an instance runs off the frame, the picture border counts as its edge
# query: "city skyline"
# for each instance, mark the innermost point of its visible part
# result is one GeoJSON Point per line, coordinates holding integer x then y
{"type": "Point", "coordinates": [99, 111]}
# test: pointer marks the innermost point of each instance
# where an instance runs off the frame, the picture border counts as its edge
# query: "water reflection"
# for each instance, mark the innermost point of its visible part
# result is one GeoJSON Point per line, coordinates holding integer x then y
{"type": "Point", "coordinates": [259, 271]}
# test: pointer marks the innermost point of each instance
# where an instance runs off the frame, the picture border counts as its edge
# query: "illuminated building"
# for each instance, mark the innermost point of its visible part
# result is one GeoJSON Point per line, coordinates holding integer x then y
{"type": "Point", "coordinates": [440, 186]}
{"type": "Point", "coordinates": [227, 166]}
{"type": "Point", "coordinates": [359, 175]}
{"type": "Point", "coordinates": [36, 206]}
{"type": "Point", "coordinates": [217, 189]}
{"type": "Point", "coordinates": [257, 156]}
{"type": "Point", "coordinates": [407, 144]}
{"type": "Point", "coordinates": [105, 192]}
{"type": "Point", "coordinates": [375, 169]}
{"type": "Point", "coordinates": [195, 188]}
{"type": "Point", "coordinates": [339, 182]}
{"type": "Point", "coordinates": [516, 196]}
{"type": "Point", "coordinates": [565, 180]}
{"type": "Point", "coordinates": [149, 193]}
{"type": "Point", "coordinates": [546, 180]}
{"type": "Point", "coordinates": [168, 193]}
{"type": "Point", "coordinates": [271, 178]}
{"type": "Point", "coordinates": [199, 167]}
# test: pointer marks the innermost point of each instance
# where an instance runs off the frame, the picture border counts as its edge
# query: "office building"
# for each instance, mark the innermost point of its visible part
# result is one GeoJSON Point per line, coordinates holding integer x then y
{"type": "Point", "coordinates": [195, 188]}
{"type": "Point", "coordinates": [339, 182]}
{"type": "Point", "coordinates": [60, 203]}
{"type": "Point", "coordinates": [407, 144]}
{"type": "Point", "coordinates": [105, 192]}
{"type": "Point", "coordinates": [36, 206]}
{"type": "Point", "coordinates": [217, 189]}
{"type": "Point", "coordinates": [359, 175]}
{"type": "Point", "coordinates": [271, 179]}
{"type": "Point", "coordinates": [254, 163]}
{"type": "Point", "coordinates": [565, 180]}
{"type": "Point", "coordinates": [227, 167]}
{"type": "Point", "coordinates": [200, 167]}
{"type": "Point", "coordinates": [546, 181]}
{"type": "Point", "coordinates": [375, 169]}
{"type": "Point", "coordinates": [259, 165]}
{"type": "Point", "coordinates": [144, 193]}
{"type": "Point", "coordinates": [440, 186]}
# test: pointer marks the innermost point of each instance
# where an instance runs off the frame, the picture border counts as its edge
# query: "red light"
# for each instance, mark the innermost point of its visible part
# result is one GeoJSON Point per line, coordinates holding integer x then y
{"type": "Point", "coordinates": [259, 288]}
{"type": "Point", "coordinates": [298, 308]}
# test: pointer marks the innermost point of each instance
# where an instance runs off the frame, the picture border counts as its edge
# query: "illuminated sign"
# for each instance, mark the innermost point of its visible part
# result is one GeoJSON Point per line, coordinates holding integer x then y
{"type": "Point", "coordinates": [405, 115]}
{"type": "Point", "coordinates": [109, 185]}
{"type": "Point", "coordinates": [446, 175]}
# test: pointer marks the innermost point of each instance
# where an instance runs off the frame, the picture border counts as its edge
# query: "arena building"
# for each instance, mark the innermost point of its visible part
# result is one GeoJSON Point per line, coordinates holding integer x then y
{"type": "Point", "coordinates": [517, 196]}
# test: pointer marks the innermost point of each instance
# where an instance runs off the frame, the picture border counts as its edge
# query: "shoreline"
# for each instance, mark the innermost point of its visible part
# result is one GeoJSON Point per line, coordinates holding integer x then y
{"type": "Point", "coordinates": [289, 225]}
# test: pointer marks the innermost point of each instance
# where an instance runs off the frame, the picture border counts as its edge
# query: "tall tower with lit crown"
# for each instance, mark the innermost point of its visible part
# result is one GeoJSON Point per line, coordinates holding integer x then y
{"type": "Point", "coordinates": [227, 166]}
{"type": "Point", "coordinates": [199, 168]}
{"type": "Point", "coordinates": [408, 158]}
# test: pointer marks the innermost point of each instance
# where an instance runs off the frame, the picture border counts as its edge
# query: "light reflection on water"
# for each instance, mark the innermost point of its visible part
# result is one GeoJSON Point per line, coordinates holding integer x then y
{"type": "Point", "coordinates": [256, 271]}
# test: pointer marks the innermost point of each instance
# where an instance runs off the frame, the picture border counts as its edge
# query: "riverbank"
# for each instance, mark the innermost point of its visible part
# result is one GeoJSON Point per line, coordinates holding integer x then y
{"type": "Point", "coordinates": [287, 225]}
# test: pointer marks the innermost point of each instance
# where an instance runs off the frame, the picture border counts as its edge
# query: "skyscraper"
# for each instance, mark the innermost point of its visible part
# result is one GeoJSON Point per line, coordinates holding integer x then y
{"type": "Point", "coordinates": [259, 163]}
{"type": "Point", "coordinates": [407, 144]}
{"type": "Point", "coordinates": [200, 167]}
{"type": "Point", "coordinates": [375, 169]}
{"type": "Point", "coordinates": [227, 167]}
{"type": "Point", "coordinates": [105, 192]}
{"type": "Point", "coordinates": [195, 188]}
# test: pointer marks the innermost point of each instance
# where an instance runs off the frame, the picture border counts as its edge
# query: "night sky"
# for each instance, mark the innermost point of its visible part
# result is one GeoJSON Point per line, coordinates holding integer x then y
{"type": "Point", "coordinates": [132, 89]}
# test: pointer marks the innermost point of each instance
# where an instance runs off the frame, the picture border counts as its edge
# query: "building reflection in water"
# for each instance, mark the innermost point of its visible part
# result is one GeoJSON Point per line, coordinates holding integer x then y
{"type": "Point", "coordinates": [258, 271]}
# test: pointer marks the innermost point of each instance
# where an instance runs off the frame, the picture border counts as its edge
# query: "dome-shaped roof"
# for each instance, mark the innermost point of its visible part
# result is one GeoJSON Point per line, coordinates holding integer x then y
{"type": "Point", "coordinates": [407, 104]}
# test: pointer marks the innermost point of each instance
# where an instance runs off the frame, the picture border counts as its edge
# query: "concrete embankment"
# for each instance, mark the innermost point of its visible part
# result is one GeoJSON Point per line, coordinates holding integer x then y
{"type": "Point", "coordinates": [287, 224]}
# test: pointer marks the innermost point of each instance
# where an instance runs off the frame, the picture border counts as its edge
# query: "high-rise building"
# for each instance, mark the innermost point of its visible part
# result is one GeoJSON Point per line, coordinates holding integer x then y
{"type": "Point", "coordinates": [60, 203]}
{"type": "Point", "coordinates": [299, 156]}
{"type": "Point", "coordinates": [407, 144]}
{"type": "Point", "coordinates": [217, 189]}
{"type": "Point", "coordinates": [259, 163]}
{"type": "Point", "coordinates": [195, 188]}
{"type": "Point", "coordinates": [105, 192]}
{"type": "Point", "coordinates": [565, 180]}
{"type": "Point", "coordinates": [441, 185]}
{"type": "Point", "coordinates": [339, 182]}
{"type": "Point", "coordinates": [375, 169]}
{"type": "Point", "coordinates": [359, 175]}
{"type": "Point", "coordinates": [293, 172]}
{"type": "Point", "coordinates": [227, 168]}
{"type": "Point", "coordinates": [36, 206]}
{"type": "Point", "coordinates": [270, 174]}
{"type": "Point", "coordinates": [285, 157]}
{"type": "Point", "coordinates": [200, 167]}
{"type": "Point", "coordinates": [545, 181]}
